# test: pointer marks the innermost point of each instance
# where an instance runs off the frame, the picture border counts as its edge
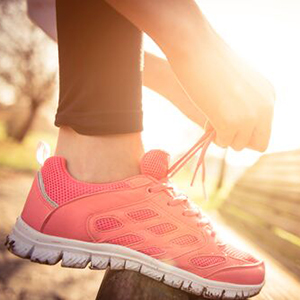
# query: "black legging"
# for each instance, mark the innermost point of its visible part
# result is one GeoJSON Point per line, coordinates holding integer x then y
{"type": "Point", "coordinates": [100, 54]}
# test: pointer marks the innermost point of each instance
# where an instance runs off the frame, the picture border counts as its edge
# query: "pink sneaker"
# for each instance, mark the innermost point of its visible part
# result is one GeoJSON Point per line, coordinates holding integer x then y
{"type": "Point", "coordinates": [140, 223]}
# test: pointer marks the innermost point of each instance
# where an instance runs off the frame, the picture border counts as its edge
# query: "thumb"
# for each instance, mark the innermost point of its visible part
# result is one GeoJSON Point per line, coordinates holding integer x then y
{"type": "Point", "coordinates": [208, 126]}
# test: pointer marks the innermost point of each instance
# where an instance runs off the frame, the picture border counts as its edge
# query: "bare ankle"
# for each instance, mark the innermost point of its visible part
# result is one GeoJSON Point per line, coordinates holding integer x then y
{"type": "Point", "coordinates": [103, 158]}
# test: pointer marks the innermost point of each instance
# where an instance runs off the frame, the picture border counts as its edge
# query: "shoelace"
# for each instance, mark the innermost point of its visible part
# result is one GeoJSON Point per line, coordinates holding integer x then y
{"type": "Point", "coordinates": [203, 144]}
{"type": "Point", "coordinates": [190, 210]}
{"type": "Point", "coordinates": [179, 199]}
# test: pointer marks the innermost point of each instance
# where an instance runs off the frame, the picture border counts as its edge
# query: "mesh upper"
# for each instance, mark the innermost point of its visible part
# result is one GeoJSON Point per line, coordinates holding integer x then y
{"type": "Point", "coordinates": [153, 251]}
{"type": "Point", "coordinates": [156, 164]}
{"type": "Point", "coordinates": [126, 240]}
{"type": "Point", "coordinates": [62, 188]}
{"type": "Point", "coordinates": [186, 239]}
{"type": "Point", "coordinates": [207, 261]}
{"type": "Point", "coordinates": [109, 223]}
{"type": "Point", "coordinates": [142, 214]}
{"type": "Point", "coordinates": [238, 254]}
{"type": "Point", "coordinates": [162, 228]}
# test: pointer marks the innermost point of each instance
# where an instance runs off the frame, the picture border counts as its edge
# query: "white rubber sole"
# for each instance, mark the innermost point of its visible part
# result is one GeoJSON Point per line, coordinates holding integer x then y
{"type": "Point", "coordinates": [28, 243]}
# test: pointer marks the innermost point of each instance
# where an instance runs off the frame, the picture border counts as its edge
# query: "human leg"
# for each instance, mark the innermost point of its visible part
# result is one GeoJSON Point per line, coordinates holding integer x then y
{"type": "Point", "coordinates": [99, 113]}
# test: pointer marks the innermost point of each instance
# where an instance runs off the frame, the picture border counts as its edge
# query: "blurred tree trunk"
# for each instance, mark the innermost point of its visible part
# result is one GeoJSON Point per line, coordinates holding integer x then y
{"type": "Point", "coordinates": [24, 67]}
{"type": "Point", "coordinates": [18, 130]}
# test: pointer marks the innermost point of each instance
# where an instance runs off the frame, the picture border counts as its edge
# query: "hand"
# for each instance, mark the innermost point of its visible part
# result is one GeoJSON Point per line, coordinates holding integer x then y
{"type": "Point", "coordinates": [243, 118]}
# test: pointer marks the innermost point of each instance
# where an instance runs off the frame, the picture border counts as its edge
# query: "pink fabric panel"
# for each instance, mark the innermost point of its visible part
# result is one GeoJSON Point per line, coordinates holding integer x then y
{"type": "Point", "coordinates": [71, 219]}
{"type": "Point", "coordinates": [36, 208]}
{"type": "Point", "coordinates": [240, 275]}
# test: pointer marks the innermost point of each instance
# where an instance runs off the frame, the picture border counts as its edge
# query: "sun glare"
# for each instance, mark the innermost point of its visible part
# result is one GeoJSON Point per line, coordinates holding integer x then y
{"type": "Point", "coordinates": [266, 34]}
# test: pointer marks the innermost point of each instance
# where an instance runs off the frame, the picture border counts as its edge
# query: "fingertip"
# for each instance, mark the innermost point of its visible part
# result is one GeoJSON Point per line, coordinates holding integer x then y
{"type": "Point", "coordinates": [238, 148]}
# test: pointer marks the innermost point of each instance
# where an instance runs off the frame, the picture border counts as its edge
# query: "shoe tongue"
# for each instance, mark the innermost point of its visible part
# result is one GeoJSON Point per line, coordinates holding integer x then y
{"type": "Point", "coordinates": [156, 164]}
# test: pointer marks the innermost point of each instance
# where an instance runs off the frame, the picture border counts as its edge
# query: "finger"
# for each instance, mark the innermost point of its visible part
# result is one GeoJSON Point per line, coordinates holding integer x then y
{"type": "Point", "coordinates": [259, 141]}
{"type": "Point", "coordinates": [224, 139]}
{"type": "Point", "coordinates": [242, 138]}
{"type": "Point", "coordinates": [208, 126]}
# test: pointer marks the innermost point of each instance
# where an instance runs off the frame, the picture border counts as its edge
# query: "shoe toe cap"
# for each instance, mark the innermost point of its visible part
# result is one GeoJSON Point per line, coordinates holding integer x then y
{"type": "Point", "coordinates": [253, 274]}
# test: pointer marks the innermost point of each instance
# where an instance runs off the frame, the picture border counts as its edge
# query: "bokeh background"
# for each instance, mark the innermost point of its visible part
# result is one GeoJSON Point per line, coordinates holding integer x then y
{"type": "Point", "coordinates": [256, 195]}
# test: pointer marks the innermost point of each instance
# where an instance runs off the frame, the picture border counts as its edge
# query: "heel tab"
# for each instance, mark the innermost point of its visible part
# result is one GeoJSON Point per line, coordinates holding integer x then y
{"type": "Point", "coordinates": [43, 152]}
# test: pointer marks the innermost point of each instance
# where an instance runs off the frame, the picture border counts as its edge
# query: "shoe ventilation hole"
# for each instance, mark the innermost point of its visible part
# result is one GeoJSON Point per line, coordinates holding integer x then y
{"type": "Point", "coordinates": [185, 240]}
{"type": "Point", "coordinates": [126, 240]}
{"type": "Point", "coordinates": [162, 228]}
{"type": "Point", "coordinates": [110, 223]}
{"type": "Point", "coordinates": [142, 214]}
{"type": "Point", "coordinates": [238, 254]}
{"type": "Point", "coordinates": [153, 251]}
{"type": "Point", "coordinates": [207, 261]}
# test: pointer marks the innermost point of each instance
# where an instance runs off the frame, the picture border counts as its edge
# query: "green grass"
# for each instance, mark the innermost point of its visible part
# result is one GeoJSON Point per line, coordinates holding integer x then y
{"type": "Point", "coordinates": [22, 156]}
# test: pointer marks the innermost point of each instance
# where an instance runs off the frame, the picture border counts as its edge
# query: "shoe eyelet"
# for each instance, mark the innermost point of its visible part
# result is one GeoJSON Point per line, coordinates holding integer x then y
{"type": "Point", "coordinates": [149, 190]}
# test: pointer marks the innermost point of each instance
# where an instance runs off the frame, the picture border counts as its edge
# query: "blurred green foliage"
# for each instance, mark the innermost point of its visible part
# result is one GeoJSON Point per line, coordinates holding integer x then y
{"type": "Point", "coordinates": [21, 156]}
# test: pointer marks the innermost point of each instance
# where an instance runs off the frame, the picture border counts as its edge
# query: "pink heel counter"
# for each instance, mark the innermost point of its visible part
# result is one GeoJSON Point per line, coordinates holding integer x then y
{"type": "Point", "coordinates": [36, 208]}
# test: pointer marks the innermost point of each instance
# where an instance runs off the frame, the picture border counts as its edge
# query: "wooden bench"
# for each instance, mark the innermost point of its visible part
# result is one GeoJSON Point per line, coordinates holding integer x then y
{"type": "Point", "coordinates": [265, 204]}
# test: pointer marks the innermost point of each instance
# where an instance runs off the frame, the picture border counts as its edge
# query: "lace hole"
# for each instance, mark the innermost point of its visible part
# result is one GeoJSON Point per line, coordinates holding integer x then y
{"type": "Point", "coordinates": [149, 190]}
